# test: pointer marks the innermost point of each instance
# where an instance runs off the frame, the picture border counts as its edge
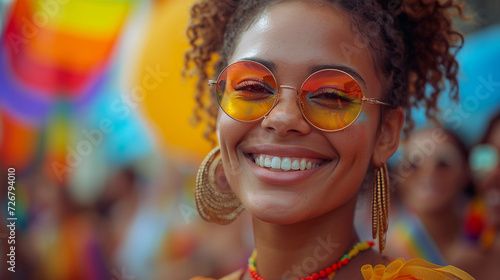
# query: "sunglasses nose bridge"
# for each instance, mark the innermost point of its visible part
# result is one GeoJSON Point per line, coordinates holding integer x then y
{"type": "Point", "coordinates": [279, 96]}
{"type": "Point", "coordinates": [282, 87]}
{"type": "Point", "coordinates": [288, 87]}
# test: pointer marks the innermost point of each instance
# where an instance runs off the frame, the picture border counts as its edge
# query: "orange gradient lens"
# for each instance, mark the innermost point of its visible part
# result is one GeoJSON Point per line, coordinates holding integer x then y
{"type": "Point", "coordinates": [246, 90]}
{"type": "Point", "coordinates": [331, 99]}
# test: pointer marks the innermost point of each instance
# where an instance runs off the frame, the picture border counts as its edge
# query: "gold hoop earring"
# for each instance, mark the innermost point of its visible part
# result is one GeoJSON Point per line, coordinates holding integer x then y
{"type": "Point", "coordinates": [380, 205]}
{"type": "Point", "coordinates": [214, 205]}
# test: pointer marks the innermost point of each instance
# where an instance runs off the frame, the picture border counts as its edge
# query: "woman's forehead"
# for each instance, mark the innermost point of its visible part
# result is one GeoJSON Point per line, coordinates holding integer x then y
{"type": "Point", "coordinates": [301, 36]}
{"type": "Point", "coordinates": [293, 27]}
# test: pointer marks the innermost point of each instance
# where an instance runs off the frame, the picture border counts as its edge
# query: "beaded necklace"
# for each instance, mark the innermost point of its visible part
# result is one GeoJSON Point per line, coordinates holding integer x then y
{"type": "Point", "coordinates": [325, 274]}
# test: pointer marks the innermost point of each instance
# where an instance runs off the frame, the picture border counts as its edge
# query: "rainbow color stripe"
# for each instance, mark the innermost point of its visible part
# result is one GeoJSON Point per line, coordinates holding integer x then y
{"type": "Point", "coordinates": [57, 48]}
{"type": "Point", "coordinates": [416, 240]}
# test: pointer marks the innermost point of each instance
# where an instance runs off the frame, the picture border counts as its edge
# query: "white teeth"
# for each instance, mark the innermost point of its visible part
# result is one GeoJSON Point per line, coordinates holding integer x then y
{"type": "Point", "coordinates": [267, 162]}
{"type": "Point", "coordinates": [276, 163]}
{"type": "Point", "coordinates": [286, 164]}
{"type": "Point", "coordinates": [303, 164]}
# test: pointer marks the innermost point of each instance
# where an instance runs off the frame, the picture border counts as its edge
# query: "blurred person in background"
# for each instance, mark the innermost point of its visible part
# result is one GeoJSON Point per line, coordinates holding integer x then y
{"type": "Point", "coordinates": [483, 217]}
{"type": "Point", "coordinates": [115, 209]}
{"type": "Point", "coordinates": [61, 238]}
{"type": "Point", "coordinates": [428, 221]}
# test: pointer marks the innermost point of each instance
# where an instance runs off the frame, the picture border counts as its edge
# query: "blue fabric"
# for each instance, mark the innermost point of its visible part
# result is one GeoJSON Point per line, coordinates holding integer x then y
{"type": "Point", "coordinates": [479, 82]}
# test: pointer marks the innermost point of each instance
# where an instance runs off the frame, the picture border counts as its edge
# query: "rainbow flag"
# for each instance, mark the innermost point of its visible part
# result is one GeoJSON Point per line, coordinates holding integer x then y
{"type": "Point", "coordinates": [53, 52]}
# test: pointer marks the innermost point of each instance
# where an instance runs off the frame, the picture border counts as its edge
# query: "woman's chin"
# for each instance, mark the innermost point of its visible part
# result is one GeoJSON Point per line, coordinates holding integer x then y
{"type": "Point", "coordinates": [276, 218]}
{"type": "Point", "coordinates": [276, 211]}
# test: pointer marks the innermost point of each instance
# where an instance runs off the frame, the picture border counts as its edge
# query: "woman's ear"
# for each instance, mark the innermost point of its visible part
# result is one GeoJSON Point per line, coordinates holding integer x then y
{"type": "Point", "coordinates": [221, 179]}
{"type": "Point", "coordinates": [388, 136]}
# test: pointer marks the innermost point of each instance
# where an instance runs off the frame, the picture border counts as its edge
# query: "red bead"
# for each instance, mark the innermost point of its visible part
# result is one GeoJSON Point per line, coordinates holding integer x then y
{"type": "Point", "coordinates": [334, 267]}
{"type": "Point", "coordinates": [315, 276]}
{"type": "Point", "coordinates": [322, 273]}
{"type": "Point", "coordinates": [345, 261]}
{"type": "Point", "coordinates": [309, 278]}
{"type": "Point", "coordinates": [328, 270]}
{"type": "Point", "coordinates": [339, 264]}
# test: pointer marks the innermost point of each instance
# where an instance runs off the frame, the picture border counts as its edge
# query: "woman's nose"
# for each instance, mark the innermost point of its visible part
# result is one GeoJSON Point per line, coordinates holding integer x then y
{"type": "Point", "coordinates": [286, 117]}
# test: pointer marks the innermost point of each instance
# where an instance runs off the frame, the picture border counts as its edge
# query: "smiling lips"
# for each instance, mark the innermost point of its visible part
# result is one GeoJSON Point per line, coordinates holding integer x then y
{"type": "Point", "coordinates": [277, 163]}
{"type": "Point", "coordinates": [285, 165]}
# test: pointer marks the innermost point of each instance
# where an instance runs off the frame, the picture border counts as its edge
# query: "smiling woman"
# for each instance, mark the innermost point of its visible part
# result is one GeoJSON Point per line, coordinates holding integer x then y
{"type": "Point", "coordinates": [310, 96]}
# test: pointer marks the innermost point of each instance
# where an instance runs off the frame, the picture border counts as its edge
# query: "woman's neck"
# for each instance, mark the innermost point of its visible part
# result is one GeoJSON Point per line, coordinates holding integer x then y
{"type": "Point", "coordinates": [298, 250]}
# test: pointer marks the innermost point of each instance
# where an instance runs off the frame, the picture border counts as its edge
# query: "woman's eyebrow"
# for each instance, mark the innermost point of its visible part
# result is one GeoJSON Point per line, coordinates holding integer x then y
{"type": "Point", "coordinates": [269, 64]}
{"type": "Point", "coordinates": [272, 66]}
{"type": "Point", "coordinates": [346, 69]}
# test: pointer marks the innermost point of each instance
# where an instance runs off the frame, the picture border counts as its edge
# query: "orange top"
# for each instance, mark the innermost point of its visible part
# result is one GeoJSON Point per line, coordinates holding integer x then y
{"type": "Point", "coordinates": [415, 269]}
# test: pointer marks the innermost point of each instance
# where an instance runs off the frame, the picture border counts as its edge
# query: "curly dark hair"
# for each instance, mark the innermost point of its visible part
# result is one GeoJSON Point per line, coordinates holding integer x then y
{"type": "Point", "coordinates": [412, 41]}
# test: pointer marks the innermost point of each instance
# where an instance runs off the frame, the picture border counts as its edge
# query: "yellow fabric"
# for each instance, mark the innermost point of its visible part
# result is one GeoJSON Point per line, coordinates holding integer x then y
{"type": "Point", "coordinates": [169, 102]}
{"type": "Point", "coordinates": [415, 269]}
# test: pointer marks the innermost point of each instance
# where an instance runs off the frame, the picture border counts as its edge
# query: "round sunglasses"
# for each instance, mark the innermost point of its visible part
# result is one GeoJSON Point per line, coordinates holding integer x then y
{"type": "Point", "coordinates": [329, 99]}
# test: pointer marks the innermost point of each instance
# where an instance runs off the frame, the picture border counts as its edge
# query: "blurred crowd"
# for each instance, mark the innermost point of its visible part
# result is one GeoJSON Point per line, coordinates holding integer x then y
{"type": "Point", "coordinates": [95, 119]}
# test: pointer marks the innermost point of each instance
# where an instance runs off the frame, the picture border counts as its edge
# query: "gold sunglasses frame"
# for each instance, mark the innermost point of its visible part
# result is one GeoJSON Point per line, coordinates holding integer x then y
{"type": "Point", "coordinates": [364, 99]}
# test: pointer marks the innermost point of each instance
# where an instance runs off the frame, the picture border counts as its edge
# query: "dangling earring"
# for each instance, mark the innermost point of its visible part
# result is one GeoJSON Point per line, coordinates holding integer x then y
{"type": "Point", "coordinates": [214, 205]}
{"type": "Point", "coordinates": [380, 205]}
